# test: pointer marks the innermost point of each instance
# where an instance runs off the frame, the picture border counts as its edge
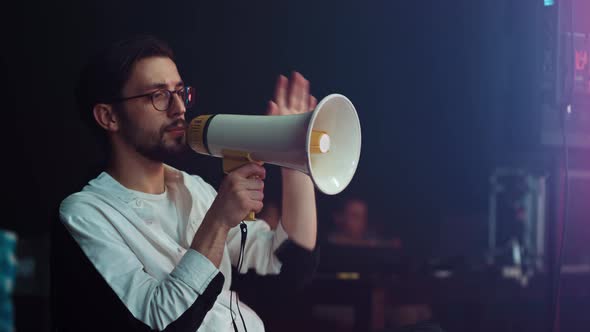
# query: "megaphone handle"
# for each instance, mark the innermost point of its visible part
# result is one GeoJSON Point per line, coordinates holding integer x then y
{"type": "Point", "coordinates": [233, 160]}
{"type": "Point", "coordinates": [251, 216]}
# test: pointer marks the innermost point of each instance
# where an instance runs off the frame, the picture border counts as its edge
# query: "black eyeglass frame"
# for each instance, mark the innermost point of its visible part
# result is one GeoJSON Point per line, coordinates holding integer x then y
{"type": "Point", "coordinates": [188, 98]}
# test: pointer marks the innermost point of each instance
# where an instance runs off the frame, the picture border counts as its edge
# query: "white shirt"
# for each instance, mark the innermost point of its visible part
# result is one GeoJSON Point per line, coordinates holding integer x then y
{"type": "Point", "coordinates": [140, 244]}
{"type": "Point", "coordinates": [161, 210]}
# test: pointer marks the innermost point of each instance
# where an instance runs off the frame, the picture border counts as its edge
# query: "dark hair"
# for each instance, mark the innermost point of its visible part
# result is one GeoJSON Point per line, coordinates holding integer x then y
{"type": "Point", "coordinates": [107, 72]}
{"type": "Point", "coordinates": [346, 198]}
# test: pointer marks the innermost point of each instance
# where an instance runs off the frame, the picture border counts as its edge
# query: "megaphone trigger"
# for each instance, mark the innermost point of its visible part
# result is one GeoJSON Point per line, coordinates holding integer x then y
{"type": "Point", "coordinates": [233, 159]}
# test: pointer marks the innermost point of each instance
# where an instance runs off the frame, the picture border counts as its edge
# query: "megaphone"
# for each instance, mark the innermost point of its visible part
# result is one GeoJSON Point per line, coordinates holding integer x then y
{"type": "Point", "coordinates": [325, 143]}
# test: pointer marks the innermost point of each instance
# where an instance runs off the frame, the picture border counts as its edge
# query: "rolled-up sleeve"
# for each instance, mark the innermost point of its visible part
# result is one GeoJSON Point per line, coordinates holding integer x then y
{"type": "Point", "coordinates": [195, 270]}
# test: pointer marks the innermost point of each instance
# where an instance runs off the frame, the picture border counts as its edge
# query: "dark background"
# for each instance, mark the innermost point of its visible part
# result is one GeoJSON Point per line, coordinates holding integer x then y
{"type": "Point", "coordinates": [443, 90]}
{"type": "Point", "coordinates": [446, 91]}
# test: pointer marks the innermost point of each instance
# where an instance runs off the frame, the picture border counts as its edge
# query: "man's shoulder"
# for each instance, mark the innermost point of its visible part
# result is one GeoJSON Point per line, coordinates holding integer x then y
{"type": "Point", "coordinates": [79, 202]}
{"type": "Point", "coordinates": [95, 195]}
{"type": "Point", "coordinates": [88, 194]}
{"type": "Point", "coordinates": [197, 184]}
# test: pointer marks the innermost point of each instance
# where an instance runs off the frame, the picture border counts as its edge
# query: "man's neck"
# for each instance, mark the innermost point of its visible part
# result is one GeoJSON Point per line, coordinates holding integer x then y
{"type": "Point", "coordinates": [136, 172]}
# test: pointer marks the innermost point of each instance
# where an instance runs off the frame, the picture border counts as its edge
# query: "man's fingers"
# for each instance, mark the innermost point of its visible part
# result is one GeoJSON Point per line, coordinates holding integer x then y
{"type": "Point", "coordinates": [250, 170]}
{"type": "Point", "coordinates": [304, 96]}
{"type": "Point", "coordinates": [313, 102]}
{"type": "Point", "coordinates": [256, 195]}
{"type": "Point", "coordinates": [257, 206]}
{"type": "Point", "coordinates": [293, 91]}
{"type": "Point", "coordinates": [272, 109]}
{"type": "Point", "coordinates": [292, 96]}
{"type": "Point", "coordinates": [254, 184]}
{"type": "Point", "coordinates": [296, 92]}
{"type": "Point", "coordinates": [281, 92]}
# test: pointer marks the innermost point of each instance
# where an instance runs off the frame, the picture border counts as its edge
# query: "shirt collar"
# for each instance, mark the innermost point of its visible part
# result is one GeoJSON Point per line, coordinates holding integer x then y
{"type": "Point", "coordinates": [106, 182]}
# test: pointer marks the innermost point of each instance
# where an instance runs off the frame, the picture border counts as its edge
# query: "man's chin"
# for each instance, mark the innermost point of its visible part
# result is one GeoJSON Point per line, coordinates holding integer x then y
{"type": "Point", "coordinates": [166, 153]}
{"type": "Point", "coordinates": [174, 150]}
{"type": "Point", "coordinates": [178, 142]}
{"type": "Point", "coordinates": [178, 149]}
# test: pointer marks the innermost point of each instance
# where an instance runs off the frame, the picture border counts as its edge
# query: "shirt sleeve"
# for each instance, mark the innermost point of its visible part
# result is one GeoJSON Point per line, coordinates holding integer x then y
{"type": "Point", "coordinates": [260, 248]}
{"type": "Point", "coordinates": [261, 243]}
{"type": "Point", "coordinates": [155, 302]}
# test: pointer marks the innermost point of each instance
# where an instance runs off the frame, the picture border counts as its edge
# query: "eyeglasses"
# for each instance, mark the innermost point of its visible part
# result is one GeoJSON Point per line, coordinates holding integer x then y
{"type": "Point", "coordinates": [162, 99]}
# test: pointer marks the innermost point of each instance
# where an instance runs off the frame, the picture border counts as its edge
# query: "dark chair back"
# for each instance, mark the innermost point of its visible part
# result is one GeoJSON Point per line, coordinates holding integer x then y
{"type": "Point", "coordinates": [81, 300]}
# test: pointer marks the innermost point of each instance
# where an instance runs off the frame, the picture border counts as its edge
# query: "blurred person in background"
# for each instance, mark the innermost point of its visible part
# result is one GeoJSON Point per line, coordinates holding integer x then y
{"type": "Point", "coordinates": [351, 226]}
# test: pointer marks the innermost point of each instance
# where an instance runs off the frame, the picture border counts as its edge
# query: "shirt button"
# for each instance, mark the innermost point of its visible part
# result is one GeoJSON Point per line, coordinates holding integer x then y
{"type": "Point", "coordinates": [138, 203]}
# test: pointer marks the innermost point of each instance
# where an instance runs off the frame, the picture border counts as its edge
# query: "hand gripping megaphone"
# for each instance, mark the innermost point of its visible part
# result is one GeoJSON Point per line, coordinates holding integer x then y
{"type": "Point", "coordinates": [324, 144]}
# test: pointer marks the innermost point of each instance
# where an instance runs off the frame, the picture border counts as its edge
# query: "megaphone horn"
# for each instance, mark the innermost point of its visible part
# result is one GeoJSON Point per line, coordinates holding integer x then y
{"type": "Point", "coordinates": [325, 143]}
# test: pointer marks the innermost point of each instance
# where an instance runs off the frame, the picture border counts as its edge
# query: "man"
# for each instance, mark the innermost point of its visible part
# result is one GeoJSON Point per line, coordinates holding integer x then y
{"type": "Point", "coordinates": [351, 223]}
{"type": "Point", "coordinates": [166, 241]}
{"type": "Point", "coordinates": [352, 228]}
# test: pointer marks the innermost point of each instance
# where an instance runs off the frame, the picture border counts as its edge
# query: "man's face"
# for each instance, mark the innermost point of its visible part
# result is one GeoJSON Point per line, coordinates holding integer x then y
{"type": "Point", "coordinates": [157, 135]}
{"type": "Point", "coordinates": [353, 220]}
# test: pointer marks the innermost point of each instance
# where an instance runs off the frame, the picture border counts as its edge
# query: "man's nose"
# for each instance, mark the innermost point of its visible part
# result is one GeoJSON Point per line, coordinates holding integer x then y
{"type": "Point", "coordinates": [177, 107]}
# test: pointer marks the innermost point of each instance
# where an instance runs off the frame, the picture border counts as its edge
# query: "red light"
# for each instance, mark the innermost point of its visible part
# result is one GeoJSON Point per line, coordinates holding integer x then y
{"type": "Point", "coordinates": [581, 60]}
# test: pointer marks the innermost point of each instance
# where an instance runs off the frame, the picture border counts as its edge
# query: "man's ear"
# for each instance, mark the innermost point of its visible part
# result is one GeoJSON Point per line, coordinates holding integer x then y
{"type": "Point", "coordinates": [106, 117]}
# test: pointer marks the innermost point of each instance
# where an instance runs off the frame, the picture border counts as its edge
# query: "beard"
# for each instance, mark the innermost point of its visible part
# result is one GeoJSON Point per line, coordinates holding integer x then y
{"type": "Point", "coordinates": [154, 145]}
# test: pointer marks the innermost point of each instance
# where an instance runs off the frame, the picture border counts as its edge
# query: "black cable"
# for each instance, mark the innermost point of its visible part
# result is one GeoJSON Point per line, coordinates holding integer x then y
{"type": "Point", "coordinates": [231, 312]}
{"type": "Point", "coordinates": [244, 234]}
{"type": "Point", "coordinates": [244, 230]}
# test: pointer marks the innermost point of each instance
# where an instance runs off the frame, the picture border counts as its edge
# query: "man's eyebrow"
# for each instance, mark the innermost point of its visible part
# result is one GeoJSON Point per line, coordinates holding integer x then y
{"type": "Point", "coordinates": [163, 85]}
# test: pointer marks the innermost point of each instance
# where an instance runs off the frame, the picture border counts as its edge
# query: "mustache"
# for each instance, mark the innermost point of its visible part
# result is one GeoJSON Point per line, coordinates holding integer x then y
{"type": "Point", "coordinates": [180, 123]}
